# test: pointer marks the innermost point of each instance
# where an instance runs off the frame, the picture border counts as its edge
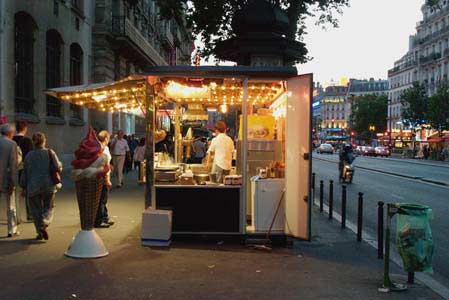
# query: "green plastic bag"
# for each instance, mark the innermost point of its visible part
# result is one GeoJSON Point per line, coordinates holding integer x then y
{"type": "Point", "coordinates": [414, 237]}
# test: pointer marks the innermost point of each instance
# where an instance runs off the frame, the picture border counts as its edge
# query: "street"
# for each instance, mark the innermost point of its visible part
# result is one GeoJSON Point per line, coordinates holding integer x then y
{"type": "Point", "coordinates": [332, 266]}
{"type": "Point", "coordinates": [393, 180]}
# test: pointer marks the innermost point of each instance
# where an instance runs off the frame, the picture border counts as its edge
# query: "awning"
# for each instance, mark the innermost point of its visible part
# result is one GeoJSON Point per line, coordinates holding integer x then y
{"type": "Point", "coordinates": [126, 95]}
{"type": "Point", "coordinates": [334, 129]}
{"type": "Point", "coordinates": [435, 140]}
{"type": "Point", "coordinates": [209, 86]}
{"type": "Point", "coordinates": [336, 138]}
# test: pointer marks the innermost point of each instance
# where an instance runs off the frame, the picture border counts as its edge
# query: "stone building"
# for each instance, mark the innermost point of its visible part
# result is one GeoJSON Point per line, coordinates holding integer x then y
{"type": "Point", "coordinates": [45, 44]}
{"type": "Point", "coordinates": [400, 78]}
{"type": "Point", "coordinates": [127, 37]}
{"type": "Point", "coordinates": [426, 61]}
{"type": "Point", "coordinates": [53, 43]}
{"type": "Point", "coordinates": [335, 113]}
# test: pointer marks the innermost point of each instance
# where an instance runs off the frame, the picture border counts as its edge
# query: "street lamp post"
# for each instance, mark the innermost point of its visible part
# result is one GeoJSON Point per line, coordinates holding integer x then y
{"type": "Point", "coordinates": [390, 129]}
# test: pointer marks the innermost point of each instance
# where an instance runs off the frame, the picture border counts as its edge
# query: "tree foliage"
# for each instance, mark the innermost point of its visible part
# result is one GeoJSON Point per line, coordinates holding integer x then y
{"type": "Point", "coordinates": [438, 109]}
{"type": "Point", "coordinates": [415, 104]}
{"type": "Point", "coordinates": [211, 19]}
{"type": "Point", "coordinates": [369, 110]}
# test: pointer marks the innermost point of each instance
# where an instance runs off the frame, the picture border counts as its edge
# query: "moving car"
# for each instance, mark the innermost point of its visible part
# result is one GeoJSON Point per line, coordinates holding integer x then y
{"type": "Point", "coordinates": [382, 151]}
{"type": "Point", "coordinates": [325, 148]}
{"type": "Point", "coordinates": [368, 151]}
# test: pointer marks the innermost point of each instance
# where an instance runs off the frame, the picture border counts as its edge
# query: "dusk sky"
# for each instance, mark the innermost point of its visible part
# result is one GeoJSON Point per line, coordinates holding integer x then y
{"type": "Point", "coordinates": [371, 36]}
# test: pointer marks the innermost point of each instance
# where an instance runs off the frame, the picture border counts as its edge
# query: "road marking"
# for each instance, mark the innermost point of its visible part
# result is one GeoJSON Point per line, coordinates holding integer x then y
{"type": "Point", "coordinates": [426, 279]}
{"type": "Point", "coordinates": [417, 179]}
{"type": "Point", "coordinates": [397, 196]}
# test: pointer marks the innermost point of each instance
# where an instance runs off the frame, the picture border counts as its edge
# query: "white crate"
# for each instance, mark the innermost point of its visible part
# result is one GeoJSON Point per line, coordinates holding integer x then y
{"type": "Point", "coordinates": [156, 227]}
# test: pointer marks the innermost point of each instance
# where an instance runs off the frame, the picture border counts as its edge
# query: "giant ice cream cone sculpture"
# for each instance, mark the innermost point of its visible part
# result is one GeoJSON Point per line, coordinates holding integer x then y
{"type": "Point", "coordinates": [89, 169]}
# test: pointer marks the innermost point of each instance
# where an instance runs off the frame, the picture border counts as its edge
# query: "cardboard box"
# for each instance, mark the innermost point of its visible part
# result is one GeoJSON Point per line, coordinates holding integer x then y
{"type": "Point", "coordinates": [156, 227]}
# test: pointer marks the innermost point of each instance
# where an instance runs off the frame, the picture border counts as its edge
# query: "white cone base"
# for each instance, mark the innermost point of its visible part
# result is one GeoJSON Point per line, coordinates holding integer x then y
{"type": "Point", "coordinates": [86, 244]}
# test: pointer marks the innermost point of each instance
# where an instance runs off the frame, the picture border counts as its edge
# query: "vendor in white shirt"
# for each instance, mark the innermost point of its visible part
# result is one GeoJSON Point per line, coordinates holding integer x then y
{"type": "Point", "coordinates": [221, 147]}
{"type": "Point", "coordinates": [119, 148]}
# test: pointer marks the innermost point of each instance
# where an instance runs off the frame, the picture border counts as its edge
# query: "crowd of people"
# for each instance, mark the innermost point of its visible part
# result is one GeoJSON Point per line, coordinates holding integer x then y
{"type": "Point", "coordinates": [30, 174]}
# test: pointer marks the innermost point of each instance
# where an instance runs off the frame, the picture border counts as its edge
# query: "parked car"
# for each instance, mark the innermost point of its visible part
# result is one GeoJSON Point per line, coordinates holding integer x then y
{"type": "Point", "coordinates": [369, 151]}
{"type": "Point", "coordinates": [382, 151]}
{"type": "Point", "coordinates": [358, 150]}
{"type": "Point", "coordinates": [325, 148]}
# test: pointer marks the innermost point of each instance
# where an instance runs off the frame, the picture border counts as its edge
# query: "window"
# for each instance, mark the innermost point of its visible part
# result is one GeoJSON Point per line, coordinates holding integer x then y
{"type": "Point", "coordinates": [78, 5]}
{"type": "Point", "coordinates": [116, 66]}
{"type": "Point", "coordinates": [53, 71]}
{"type": "Point", "coordinates": [56, 7]}
{"type": "Point", "coordinates": [76, 75]}
{"type": "Point", "coordinates": [24, 62]}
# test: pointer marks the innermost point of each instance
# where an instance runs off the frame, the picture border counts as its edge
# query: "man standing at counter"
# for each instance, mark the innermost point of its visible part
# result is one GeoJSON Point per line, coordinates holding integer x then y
{"type": "Point", "coordinates": [221, 147]}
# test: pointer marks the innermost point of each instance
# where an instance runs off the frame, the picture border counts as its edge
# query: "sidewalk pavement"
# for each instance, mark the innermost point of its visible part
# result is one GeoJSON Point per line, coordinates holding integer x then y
{"type": "Point", "coordinates": [433, 163]}
{"type": "Point", "coordinates": [332, 266]}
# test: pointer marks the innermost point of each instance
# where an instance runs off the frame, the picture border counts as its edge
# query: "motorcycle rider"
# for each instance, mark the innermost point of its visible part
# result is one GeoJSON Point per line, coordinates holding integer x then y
{"type": "Point", "coordinates": [346, 155]}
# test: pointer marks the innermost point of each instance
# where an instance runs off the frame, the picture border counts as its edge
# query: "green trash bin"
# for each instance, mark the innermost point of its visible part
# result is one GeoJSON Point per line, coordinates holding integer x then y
{"type": "Point", "coordinates": [414, 237]}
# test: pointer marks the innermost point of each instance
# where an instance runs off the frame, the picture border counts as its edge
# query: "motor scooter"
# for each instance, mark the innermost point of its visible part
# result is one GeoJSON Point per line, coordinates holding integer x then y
{"type": "Point", "coordinates": [348, 173]}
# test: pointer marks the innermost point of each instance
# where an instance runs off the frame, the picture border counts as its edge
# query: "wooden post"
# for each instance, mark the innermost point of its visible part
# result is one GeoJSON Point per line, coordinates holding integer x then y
{"type": "Point", "coordinates": [149, 144]}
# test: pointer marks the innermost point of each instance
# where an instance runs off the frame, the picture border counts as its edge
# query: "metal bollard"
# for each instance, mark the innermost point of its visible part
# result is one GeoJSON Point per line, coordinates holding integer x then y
{"type": "Point", "coordinates": [313, 181]}
{"type": "Point", "coordinates": [343, 207]}
{"type": "Point", "coordinates": [380, 230]}
{"type": "Point", "coordinates": [331, 199]}
{"type": "Point", "coordinates": [360, 218]}
{"type": "Point", "coordinates": [411, 277]}
{"type": "Point", "coordinates": [321, 194]}
{"type": "Point", "coordinates": [313, 187]}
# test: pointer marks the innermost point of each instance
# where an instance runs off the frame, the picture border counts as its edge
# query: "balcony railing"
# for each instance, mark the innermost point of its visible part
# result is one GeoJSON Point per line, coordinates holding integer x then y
{"type": "Point", "coordinates": [122, 27]}
{"type": "Point", "coordinates": [166, 35]}
{"type": "Point", "coordinates": [430, 58]}
{"type": "Point", "coordinates": [435, 35]}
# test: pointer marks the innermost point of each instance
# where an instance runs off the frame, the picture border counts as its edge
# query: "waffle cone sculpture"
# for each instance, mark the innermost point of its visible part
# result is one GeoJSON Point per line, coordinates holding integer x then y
{"type": "Point", "coordinates": [88, 192]}
{"type": "Point", "coordinates": [89, 170]}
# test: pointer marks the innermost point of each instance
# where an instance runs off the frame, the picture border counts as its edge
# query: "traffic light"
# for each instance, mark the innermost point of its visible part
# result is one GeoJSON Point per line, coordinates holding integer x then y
{"type": "Point", "coordinates": [352, 133]}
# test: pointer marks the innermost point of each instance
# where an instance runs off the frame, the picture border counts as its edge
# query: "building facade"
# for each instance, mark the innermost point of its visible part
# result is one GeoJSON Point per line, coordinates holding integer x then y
{"type": "Point", "coordinates": [53, 43]}
{"type": "Point", "coordinates": [45, 44]}
{"type": "Point", "coordinates": [335, 113]}
{"type": "Point", "coordinates": [400, 78]}
{"type": "Point", "coordinates": [426, 60]}
{"type": "Point", "coordinates": [128, 36]}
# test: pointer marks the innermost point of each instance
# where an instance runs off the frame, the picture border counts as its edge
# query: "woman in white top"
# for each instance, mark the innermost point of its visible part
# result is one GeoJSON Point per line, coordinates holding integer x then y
{"type": "Point", "coordinates": [102, 219]}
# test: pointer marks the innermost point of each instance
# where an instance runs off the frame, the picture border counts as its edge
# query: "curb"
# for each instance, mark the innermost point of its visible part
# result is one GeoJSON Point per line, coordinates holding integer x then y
{"type": "Point", "coordinates": [416, 162]}
{"type": "Point", "coordinates": [441, 183]}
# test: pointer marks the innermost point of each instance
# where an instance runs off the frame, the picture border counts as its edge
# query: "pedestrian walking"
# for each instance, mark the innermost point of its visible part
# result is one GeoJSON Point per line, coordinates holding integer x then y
{"type": "Point", "coordinates": [426, 152]}
{"type": "Point", "coordinates": [119, 150]}
{"type": "Point", "coordinates": [139, 157]}
{"type": "Point", "coordinates": [8, 175]}
{"type": "Point", "coordinates": [102, 219]}
{"type": "Point", "coordinates": [37, 179]}
{"type": "Point", "coordinates": [26, 145]}
{"type": "Point", "coordinates": [133, 143]}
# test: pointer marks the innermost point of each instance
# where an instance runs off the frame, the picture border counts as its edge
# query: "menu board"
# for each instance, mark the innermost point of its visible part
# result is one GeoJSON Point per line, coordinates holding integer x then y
{"type": "Point", "coordinates": [259, 127]}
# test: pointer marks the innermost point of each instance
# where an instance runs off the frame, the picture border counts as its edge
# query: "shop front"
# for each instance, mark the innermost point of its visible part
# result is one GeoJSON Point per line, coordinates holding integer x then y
{"type": "Point", "coordinates": [267, 115]}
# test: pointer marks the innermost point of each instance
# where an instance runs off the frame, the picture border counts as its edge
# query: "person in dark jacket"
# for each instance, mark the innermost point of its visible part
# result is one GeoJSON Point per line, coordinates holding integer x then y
{"type": "Point", "coordinates": [26, 145]}
{"type": "Point", "coordinates": [37, 181]}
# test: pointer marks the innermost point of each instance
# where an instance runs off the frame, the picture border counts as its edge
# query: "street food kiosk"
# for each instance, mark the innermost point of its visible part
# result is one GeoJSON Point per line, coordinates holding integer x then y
{"type": "Point", "coordinates": [268, 113]}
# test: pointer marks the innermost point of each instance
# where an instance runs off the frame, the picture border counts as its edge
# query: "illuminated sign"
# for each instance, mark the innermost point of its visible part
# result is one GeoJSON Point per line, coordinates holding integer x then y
{"type": "Point", "coordinates": [334, 100]}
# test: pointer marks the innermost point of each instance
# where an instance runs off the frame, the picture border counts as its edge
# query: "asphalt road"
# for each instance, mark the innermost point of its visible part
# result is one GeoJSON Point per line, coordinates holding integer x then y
{"type": "Point", "coordinates": [378, 186]}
